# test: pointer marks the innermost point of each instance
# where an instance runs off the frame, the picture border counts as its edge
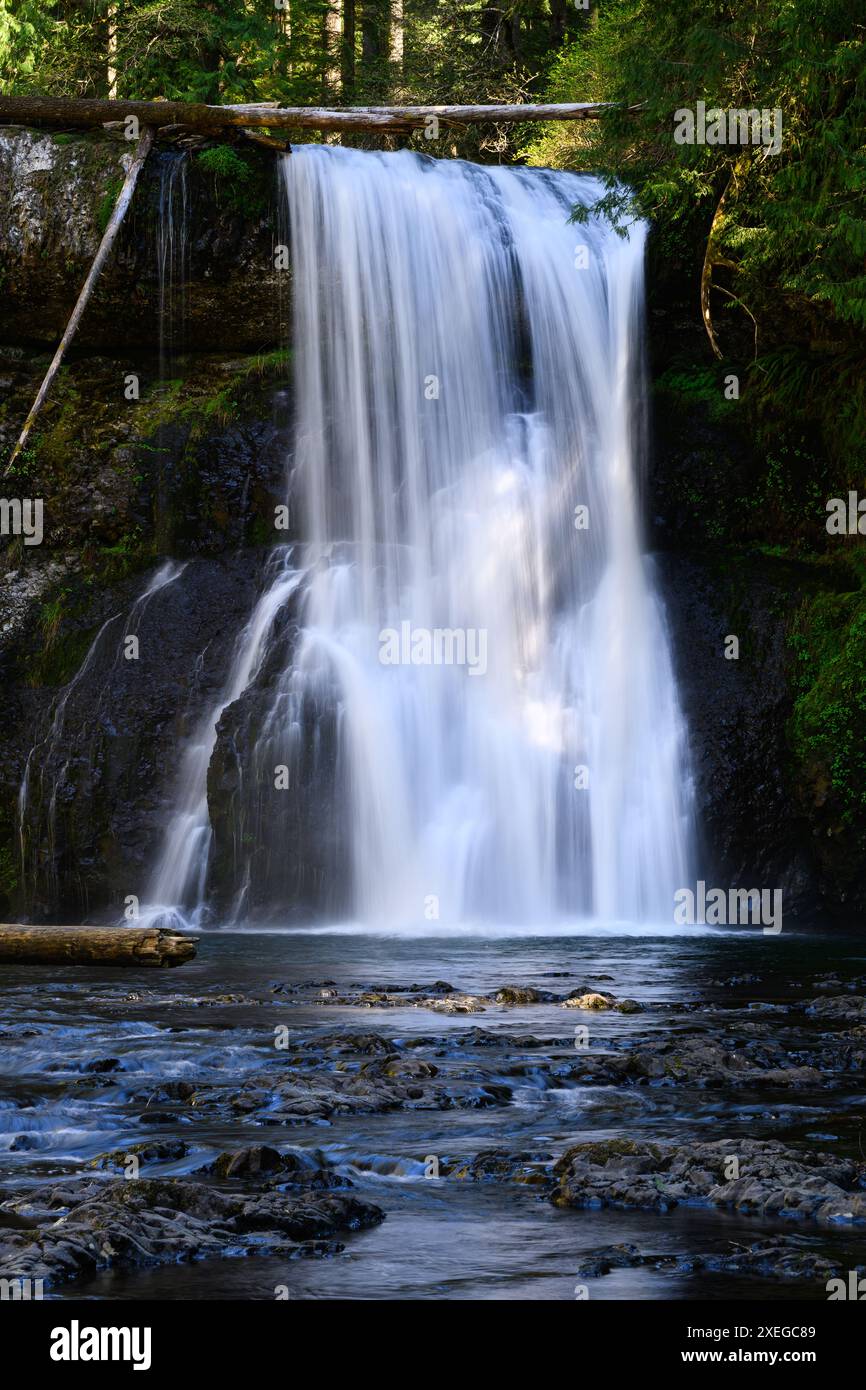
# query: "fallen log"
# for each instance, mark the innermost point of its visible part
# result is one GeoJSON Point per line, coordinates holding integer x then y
{"type": "Point", "coordinates": [152, 946]}
{"type": "Point", "coordinates": [124, 198]}
{"type": "Point", "coordinates": [87, 112]}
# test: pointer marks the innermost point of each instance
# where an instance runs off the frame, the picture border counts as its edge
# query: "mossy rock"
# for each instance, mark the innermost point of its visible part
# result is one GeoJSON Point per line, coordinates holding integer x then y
{"type": "Point", "coordinates": [600, 1152]}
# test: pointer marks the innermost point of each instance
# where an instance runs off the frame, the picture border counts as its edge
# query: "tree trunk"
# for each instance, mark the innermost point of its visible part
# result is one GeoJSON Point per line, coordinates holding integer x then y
{"type": "Point", "coordinates": [348, 48]}
{"type": "Point", "coordinates": [395, 39]}
{"type": "Point", "coordinates": [496, 31]}
{"type": "Point", "coordinates": [557, 22]}
{"type": "Point", "coordinates": [713, 257]}
{"type": "Point", "coordinates": [127, 946]}
{"type": "Point", "coordinates": [112, 50]}
{"type": "Point", "coordinates": [66, 112]}
{"type": "Point", "coordinates": [371, 32]}
{"type": "Point", "coordinates": [331, 44]}
{"type": "Point", "coordinates": [120, 207]}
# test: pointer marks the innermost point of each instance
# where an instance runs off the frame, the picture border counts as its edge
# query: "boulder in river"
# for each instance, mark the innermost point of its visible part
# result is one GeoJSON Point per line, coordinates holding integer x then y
{"type": "Point", "coordinates": [83, 1228]}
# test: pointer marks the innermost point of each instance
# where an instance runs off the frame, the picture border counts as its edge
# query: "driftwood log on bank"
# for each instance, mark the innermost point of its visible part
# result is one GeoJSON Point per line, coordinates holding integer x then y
{"type": "Point", "coordinates": [84, 113]}
{"type": "Point", "coordinates": [127, 946]}
{"type": "Point", "coordinates": [124, 198]}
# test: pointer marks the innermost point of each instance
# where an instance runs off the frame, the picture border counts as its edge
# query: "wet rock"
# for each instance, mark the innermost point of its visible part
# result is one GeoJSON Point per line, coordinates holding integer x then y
{"type": "Point", "coordinates": [522, 994]}
{"type": "Point", "coordinates": [457, 1004]}
{"type": "Point", "coordinates": [52, 193]}
{"type": "Point", "coordinates": [776, 1257]}
{"type": "Point", "coordinates": [591, 1000]}
{"type": "Point", "coordinates": [102, 837]}
{"type": "Point", "coordinates": [16, 1221]}
{"type": "Point", "coordinates": [364, 1043]}
{"type": "Point", "coordinates": [213, 1000]}
{"type": "Point", "coordinates": [403, 1067]}
{"type": "Point", "coordinates": [491, 1093]}
{"type": "Point", "coordinates": [247, 1163]}
{"type": "Point", "coordinates": [707, 1063]}
{"type": "Point", "coordinates": [293, 848]}
{"type": "Point", "coordinates": [753, 830]}
{"type": "Point", "coordinates": [500, 1165]}
{"type": "Point", "coordinates": [334, 1075]}
{"type": "Point", "coordinates": [831, 980]}
{"type": "Point", "coordinates": [267, 1166]}
{"type": "Point", "coordinates": [152, 1221]}
{"type": "Point", "coordinates": [163, 1092]}
{"type": "Point", "coordinates": [154, 1151]}
{"type": "Point", "coordinates": [846, 1009]}
{"type": "Point", "coordinates": [480, 1037]}
{"type": "Point", "coordinates": [371, 999]}
{"type": "Point", "coordinates": [606, 1258]}
{"type": "Point", "coordinates": [747, 1175]}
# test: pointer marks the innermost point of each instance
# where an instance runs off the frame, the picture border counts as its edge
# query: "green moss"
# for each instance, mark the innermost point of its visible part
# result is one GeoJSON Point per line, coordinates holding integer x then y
{"type": "Point", "coordinates": [112, 563]}
{"type": "Point", "coordinates": [62, 653]}
{"type": "Point", "coordinates": [107, 201]}
{"type": "Point", "coordinates": [690, 386]}
{"type": "Point", "coordinates": [65, 626]}
{"type": "Point", "coordinates": [236, 184]}
{"type": "Point", "coordinates": [601, 1151]}
{"type": "Point", "coordinates": [266, 364]}
{"type": "Point", "coordinates": [205, 405]}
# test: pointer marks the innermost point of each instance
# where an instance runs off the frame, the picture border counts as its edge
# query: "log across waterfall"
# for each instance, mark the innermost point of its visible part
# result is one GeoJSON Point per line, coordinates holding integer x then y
{"type": "Point", "coordinates": [94, 111]}
{"type": "Point", "coordinates": [470, 387]}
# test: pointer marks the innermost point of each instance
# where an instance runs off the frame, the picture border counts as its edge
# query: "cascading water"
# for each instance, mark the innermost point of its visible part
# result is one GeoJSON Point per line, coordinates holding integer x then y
{"type": "Point", "coordinates": [476, 619]}
{"type": "Point", "coordinates": [172, 254]}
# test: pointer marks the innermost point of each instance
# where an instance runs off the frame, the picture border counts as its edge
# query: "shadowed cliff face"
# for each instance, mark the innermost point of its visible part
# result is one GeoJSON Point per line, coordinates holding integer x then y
{"type": "Point", "coordinates": [56, 194]}
{"type": "Point", "coordinates": [286, 846]}
{"type": "Point", "coordinates": [755, 830]}
{"type": "Point", "coordinates": [193, 470]}
{"type": "Point", "coordinates": [95, 804]}
{"type": "Point", "coordinates": [738, 523]}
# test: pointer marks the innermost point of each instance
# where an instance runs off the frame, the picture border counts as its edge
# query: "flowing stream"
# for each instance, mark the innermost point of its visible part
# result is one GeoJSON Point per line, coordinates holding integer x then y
{"type": "Point", "coordinates": [471, 595]}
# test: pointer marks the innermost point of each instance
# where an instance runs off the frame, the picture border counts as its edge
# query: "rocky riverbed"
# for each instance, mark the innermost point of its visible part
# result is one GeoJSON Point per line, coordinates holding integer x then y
{"type": "Point", "coordinates": [483, 1116]}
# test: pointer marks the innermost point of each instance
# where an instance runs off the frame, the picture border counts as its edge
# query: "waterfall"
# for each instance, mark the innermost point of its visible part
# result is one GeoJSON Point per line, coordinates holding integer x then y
{"type": "Point", "coordinates": [478, 657]}
{"type": "Point", "coordinates": [172, 254]}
